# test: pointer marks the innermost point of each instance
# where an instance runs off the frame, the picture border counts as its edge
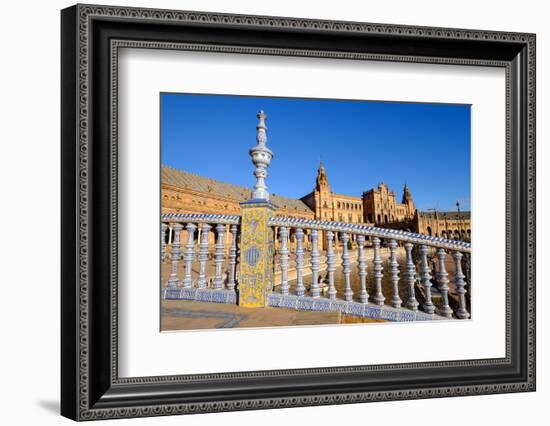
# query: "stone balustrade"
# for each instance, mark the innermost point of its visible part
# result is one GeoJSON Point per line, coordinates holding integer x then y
{"type": "Point", "coordinates": [424, 275]}
{"type": "Point", "coordinates": [423, 257]}
{"type": "Point", "coordinates": [202, 252]}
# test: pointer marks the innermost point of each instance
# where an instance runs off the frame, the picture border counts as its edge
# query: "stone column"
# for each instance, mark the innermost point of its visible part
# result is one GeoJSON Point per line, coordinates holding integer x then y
{"type": "Point", "coordinates": [189, 255]}
{"type": "Point", "coordinates": [394, 270]}
{"type": "Point", "coordinates": [300, 288]}
{"type": "Point", "coordinates": [331, 266]}
{"type": "Point", "coordinates": [257, 245]}
{"type": "Point", "coordinates": [203, 255]}
{"type": "Point", "coordinates": [443, 282]}
{"type": "Point", "coordinates": [426, 277]}
{"type": "Point", "coordinates": [170, 236]}
{"type": "Point", "coordinates": [232, 258]}
{"type": "Point", "coordinates": [283, 238]}
{"type": "Point", "coordinates": [412, 303]}
{"type": "Point", "coordinates": [362, 266]}
{"type": "Point", "coordinates": [346, 268]}
{"type": "Point", "coordinates": [218, 257]}
{"type": "Point", "coordinates": [377, 261]}
{"type": "Point", "coordinates": [176, 252]}
{"type": "Point", "coordinates": [462, 312]}
{"type": "Point", "coordinates": [314, 290]}
{"type": "Point", "coordinates": [163, 227]}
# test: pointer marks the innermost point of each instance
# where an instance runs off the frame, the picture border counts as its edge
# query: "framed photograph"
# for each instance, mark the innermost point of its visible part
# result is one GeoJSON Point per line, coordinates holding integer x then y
{"type": "Point", "coordinates": [263, 212]}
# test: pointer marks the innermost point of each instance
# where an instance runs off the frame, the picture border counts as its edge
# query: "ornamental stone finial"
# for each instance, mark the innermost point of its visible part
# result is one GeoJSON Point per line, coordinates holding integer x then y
{"type": "Point", "coordinates": [261, 157]}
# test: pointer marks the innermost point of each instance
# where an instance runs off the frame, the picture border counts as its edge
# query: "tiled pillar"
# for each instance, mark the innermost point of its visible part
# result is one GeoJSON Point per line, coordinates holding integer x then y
{"type": "Point", "coordinates": [257, 252]}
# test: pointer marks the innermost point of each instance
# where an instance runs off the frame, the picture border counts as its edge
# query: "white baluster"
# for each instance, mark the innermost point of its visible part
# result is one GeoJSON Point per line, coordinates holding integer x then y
{"type": "Point", "coordinates": [314, 290]}
{"type": "Point", "coordinates": [443, 282]}
{"type": "Point", "coordinates": [163, 227]}
{"type": "Point", "coordinates": [232, 258]}
{"type": "Point", "coordinates": [394, 270]}
{"type": "Point", "coordinates": [300, 288]}
{"type": "Point", "coordinates": [412, 303]}
{"type": "Point", "coordinates": [331, 266]}
{"type": "Point", "coordinates": [189, 255]}
{"type": "Point", "coordinates": [362, 267]}
{"type": "Point", "coordinates": [176, 252]}
{"type": "Point", "coordinates": [203, 255]}
{"type": "Point", "coordinates": [426, 277]}
{"type": "Point", "coordinates": [462, 312]}
{"type": "Point", "coordinates": [218, 257]}
{"type": "Point", "coordinates": [170, 237]}
{"type": "Point", "coordinates": [379, 296]}
{"type": "Point", "coordinates": [283, 237]}
{"type": "Point", "coordinates": [346, 268]}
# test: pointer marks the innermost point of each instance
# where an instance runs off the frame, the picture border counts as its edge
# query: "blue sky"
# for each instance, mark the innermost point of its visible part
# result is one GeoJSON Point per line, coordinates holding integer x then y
{"type": "Point", "coordinates": [361, 143]}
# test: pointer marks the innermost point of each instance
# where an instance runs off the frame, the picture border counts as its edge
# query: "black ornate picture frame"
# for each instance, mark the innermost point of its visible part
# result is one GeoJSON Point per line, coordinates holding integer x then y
{"type": "Point", "coordinates": [91, 386]}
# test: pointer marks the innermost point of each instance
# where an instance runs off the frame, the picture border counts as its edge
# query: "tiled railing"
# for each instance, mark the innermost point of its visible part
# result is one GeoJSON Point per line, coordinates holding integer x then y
{"type": "Point", "coordinates": [209, 252]}
{"type": "Point", "coordinates": [378, 236]}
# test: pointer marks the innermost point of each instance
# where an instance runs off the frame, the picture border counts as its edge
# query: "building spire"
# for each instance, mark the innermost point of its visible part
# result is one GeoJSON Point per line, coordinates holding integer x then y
{"type": "Point", "coordinates": [261, 157]}
{"type": "Point", "coordinates": [407, 196]}
{"type": "Point", "coordinates": [322, 179]}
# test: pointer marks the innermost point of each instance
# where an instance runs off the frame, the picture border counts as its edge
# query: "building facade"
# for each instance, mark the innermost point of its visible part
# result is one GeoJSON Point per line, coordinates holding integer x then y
{"type": "Point", "coordinates": [184, 192]}
{"type": "Point", "coordinates": [377, 206]}
{"type": "Point", "coordinates": [452, 225]}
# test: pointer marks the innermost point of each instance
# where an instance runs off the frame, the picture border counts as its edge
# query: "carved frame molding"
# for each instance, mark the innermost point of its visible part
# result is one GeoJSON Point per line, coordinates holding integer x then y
{"type": "Point", "coordinates": [91, 388]}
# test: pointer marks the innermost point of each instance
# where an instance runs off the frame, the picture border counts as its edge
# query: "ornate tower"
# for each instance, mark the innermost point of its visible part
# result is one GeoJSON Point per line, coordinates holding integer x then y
{"type": "Point", "coordinates": [323, 198]}
{"type": "Point", "coordinates": [408, 201]}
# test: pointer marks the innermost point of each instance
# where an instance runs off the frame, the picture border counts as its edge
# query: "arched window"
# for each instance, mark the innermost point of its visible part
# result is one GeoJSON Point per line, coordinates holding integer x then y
{"type": "Point", "coordinates": [385, 218]}
{"type": "Point", "coordinates": [429, 229]}
{"type": "Point", "coordinates": [378, 221]}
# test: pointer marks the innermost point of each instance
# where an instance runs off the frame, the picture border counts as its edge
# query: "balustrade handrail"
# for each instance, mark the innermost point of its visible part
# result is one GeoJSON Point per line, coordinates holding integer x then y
{"type": "Point", "coordinates": [371, 231]}
{"type": "Point", "coordinates": [226, 219]}
{"type": "Point", "coordinates": [321, 225]}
